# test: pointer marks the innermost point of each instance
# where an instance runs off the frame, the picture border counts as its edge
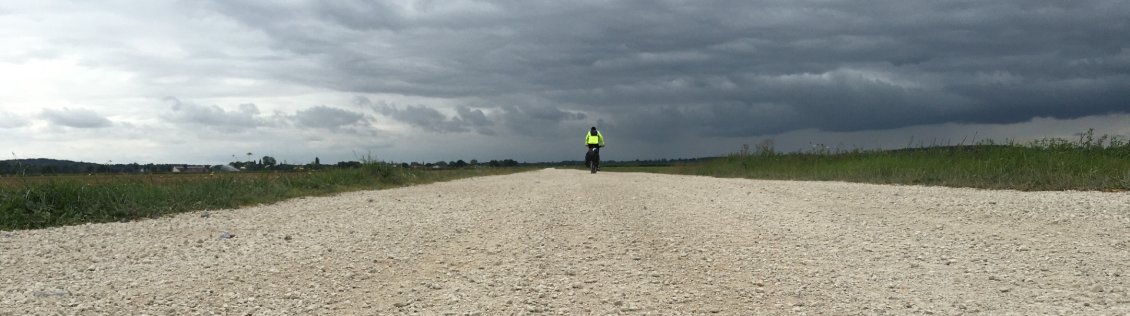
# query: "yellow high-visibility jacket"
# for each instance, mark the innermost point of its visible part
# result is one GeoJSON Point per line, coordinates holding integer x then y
{"type": "Point", "coordinates": [594, 140]}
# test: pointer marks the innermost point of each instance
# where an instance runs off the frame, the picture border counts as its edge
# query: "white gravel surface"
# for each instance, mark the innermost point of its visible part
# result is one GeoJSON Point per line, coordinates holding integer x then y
{"type": "Point", "coordinates": [567, 242]}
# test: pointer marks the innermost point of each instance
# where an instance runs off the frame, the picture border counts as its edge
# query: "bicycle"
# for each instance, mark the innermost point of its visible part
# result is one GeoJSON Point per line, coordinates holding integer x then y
{"type": "Point", "coordinates": [592, 159]}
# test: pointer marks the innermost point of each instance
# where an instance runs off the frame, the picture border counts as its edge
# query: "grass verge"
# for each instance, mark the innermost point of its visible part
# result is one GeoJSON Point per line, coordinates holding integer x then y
{"type": "Point", "coordinates": [1101, 164]}
{"type": "Point", "coordinates": [39, 202]}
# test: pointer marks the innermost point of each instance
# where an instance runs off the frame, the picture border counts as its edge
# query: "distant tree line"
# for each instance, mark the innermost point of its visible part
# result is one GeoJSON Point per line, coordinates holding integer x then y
{"type": "Point", "coordinates": [42, 166]}
{"type": "Point", "coordinates": [265, 163]}
{"type": "Point", "coordinates": [54, 166]}
{"type": "Point", "coordinates": [456, 164]}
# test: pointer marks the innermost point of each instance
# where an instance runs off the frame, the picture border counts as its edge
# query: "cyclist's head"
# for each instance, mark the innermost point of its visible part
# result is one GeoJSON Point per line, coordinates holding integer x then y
{"type": "Point", "coordinates": [593, 128]}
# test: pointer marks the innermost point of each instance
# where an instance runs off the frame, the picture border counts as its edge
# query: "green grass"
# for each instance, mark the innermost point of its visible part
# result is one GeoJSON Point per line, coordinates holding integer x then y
{"type": "Point", "coordinates": [39, 202]}
{"type": "Point", "coordinates": [1056, 164]}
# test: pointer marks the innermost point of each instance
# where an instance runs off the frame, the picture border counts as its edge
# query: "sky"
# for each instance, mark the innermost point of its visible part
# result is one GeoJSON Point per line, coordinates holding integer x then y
{"type": "Point", "coordinates": [213, 81]}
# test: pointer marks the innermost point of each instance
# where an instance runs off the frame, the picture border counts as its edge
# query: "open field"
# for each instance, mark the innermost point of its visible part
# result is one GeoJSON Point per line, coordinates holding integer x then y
{"type": "Point", "coordinates": [45, 201]}
{"type": "Point", "coordinates": [1059, 166]}
{"type": "Point", "coordinates": [152, 178]}
{"type": "Point", "coordinates": [175, 178]}
{"type": "Point", "coordinates": [567, 242]}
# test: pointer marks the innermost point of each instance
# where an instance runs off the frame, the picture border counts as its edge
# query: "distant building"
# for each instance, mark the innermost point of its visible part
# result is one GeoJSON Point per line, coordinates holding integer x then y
{"type": "Point", "coordinates": [190, 169]}
{"type": "Point", "coordinates": [225, 168]}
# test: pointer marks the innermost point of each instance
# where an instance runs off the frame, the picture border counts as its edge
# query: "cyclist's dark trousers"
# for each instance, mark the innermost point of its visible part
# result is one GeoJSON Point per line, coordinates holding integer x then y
{"type": "Point", "coordinates": [593, 156]}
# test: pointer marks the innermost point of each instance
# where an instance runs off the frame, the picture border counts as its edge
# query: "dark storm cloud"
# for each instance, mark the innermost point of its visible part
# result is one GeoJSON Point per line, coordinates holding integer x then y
{"type": "Point", "coordinates": [715, 68]}
{"type": "Point", "coordinates": [76, 118]}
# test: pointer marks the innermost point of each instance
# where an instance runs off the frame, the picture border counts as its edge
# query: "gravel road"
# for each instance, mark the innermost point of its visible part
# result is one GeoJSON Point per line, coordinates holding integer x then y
{"type": "Point", "coordinates": [567, 242]}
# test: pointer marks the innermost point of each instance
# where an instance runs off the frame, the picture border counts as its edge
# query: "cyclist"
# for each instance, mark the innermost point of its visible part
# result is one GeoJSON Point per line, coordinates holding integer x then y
{"type": "Point", "coordinates": [594, 141]}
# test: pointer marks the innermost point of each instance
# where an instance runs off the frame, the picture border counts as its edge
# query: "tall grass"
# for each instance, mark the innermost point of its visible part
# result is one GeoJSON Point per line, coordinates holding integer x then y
{"type": "Point", "coordinates": [1087, 163]}
{"type": "Point", "coordinates": [37, 203]}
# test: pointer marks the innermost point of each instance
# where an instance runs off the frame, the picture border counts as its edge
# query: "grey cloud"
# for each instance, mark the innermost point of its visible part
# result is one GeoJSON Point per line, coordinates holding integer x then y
{"type": "Point", "coordinates": [246, 117]}
{"type": "Point", "coordinates": [545, 113]}
{"type": "Point", "coordinates": [328, 118]}
{"type": "Point", "coordinates": [726, 68]}
{"type": "Point", "coordinates": [76, 118]}
{"type": "Point", "coordinates": [537, 120]}
{"type": "Point", "coordinates": [474, 117]}
{"type": "Point", "coordinates": [466, 119]}
{"type": "Point", "coordinates": [423, 117]}
{"type": "Point", "coordinates": [651, 70]}
{"type": "Point", "coordinates": [12, 120]}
